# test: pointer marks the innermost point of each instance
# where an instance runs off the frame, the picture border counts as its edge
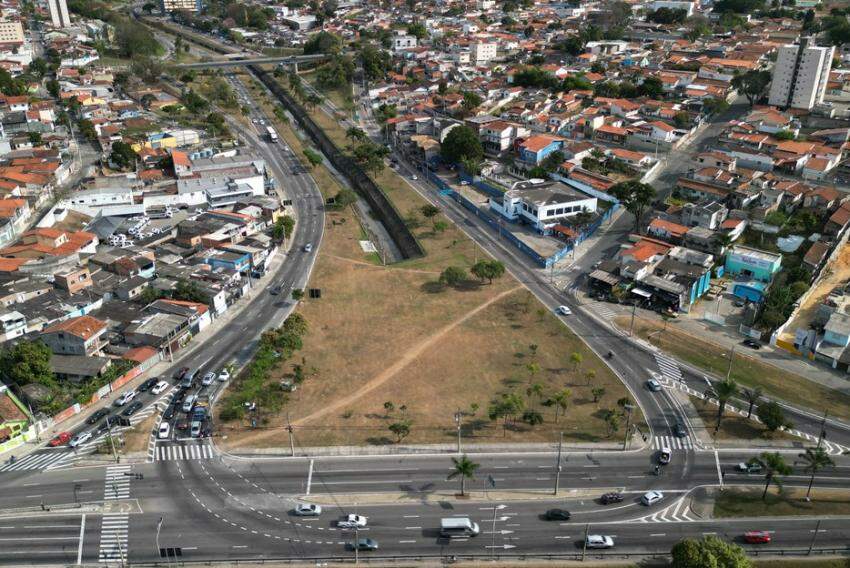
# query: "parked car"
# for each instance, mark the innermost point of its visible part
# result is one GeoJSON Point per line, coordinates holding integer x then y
{"type": "Point", "coordinates": [664, 456]}
{"type": "Point", "coordinates": [182, 425]}
{"type": "Point", "coordinates": [133, 408]}
{"type": "Point", "coordinates": [748, 467]}
{"type": "Point", "coordinates": [366, 544]}
{"type": "Point", "coordinates": [195, 430]}
{"type": "Point", "coordinates": [752, 344]}
{"type": "Point", "coordinates": [178, 376]}
{"type": "Point", "coordinates": [757, 537]}
{"type": "Point", "coordinates": [613, 497]}
{"type": "Point", "coordinates": [564, 311]}
{"type": "Point", "coordinates": [208, 379]}
{"type": "Point", "coordinates": [557, 515]}
{"type": "Point", "coordinates": [61, 439]}
{"type": "Point", "coordinates": [679, 430]}
{"type": "Point", "coordinates": [651, 497]}
{"type": "Point", "coordinates": [159, 387]}
{"type": "Point", "coordinates": [164, 431]}
{"type": "Point", "coordinates": [125, 398]}
{"type": "Point", "coordinates": [189, 403]}
{"type": "Point", "coordinates": [653, 385]}
{"type": "Point", "coordinates": [224, 375]}
{"type": "Point", "coordinates": [599, 541]}
{"type": "Point", "coordinates": [307, 510]}
{"type": "Point", "coordinates": [352, 521]}
{"type": "Point", "coordinates": [80, 438]}
{"type": "Point", "coordinates": [97, 415]}
{"type": "Point", "coordinates": [148, 384]}
{"type": "Point", "coordinates": [168, 414]}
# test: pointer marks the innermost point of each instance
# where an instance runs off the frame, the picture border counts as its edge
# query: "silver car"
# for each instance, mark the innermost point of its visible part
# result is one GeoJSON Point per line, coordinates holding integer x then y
{"type": "Point", "coordinates": [307, 510]}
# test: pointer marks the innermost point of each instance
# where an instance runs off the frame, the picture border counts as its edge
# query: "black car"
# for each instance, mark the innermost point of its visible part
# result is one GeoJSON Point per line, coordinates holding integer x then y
{"type": "Point", "coordinates": [275, 290]}
{"type": "Point", "coordinates": [179, 374]}
{"type": "Point", "coordinates": [97, 415]}
{"type": "Point", "coordinates": [752, 344]}
{"type": "Point", "coordinates": [169, 412]}
{"type": "Point", "coordinates": [609, 498]}
{"type": "Point", "coordinates": [679, 430]}
{"type": "Point", "coordinates": [148, 384]}
{"type": "Point", "coordinates": [133, 408]}
{"type": "Point", "coordinates": [557, 515]}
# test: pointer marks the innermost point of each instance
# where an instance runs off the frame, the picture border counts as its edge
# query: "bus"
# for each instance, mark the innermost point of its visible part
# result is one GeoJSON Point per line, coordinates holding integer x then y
{"type": "Point", "coordinates": [272, 134]}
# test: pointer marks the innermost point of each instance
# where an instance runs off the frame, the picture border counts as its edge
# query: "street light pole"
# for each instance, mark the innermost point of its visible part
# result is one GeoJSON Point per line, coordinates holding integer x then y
{"type": "Point", "coordinates": [458, 418]}
{"type": "Point", "coordinates": [822, 434]}
{"type": "Point", "coordinates": [629, 408]}
{"type": "Point", "coordinates": [558, 462]}
{"type": "Point", "coordinates": [731, 358]}
{"type": "Point", "coordinates": [493, 547]}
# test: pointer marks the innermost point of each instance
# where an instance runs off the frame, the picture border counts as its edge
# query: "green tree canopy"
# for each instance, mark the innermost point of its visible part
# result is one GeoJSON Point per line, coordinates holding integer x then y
{"type": "Point", "coordinates": [323, 42]}
{"type": "Point", "coordinates": [636, 197]}
{"type": "Point", "coordinates": [752, 84]}
{"type": "Point", "coordinates": [27, 362]}
{"type": "Point", "coordinates": [461, 143]}
{"type": "Point", "coordinates": [123, 155]}
{"type": "Point", "coordinates": [709, 552]}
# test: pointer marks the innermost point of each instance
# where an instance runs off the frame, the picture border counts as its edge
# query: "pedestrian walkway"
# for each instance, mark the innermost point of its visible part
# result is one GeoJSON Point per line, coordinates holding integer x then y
{"type": "Point", "coordinates": [669, 367]}
{"type": "Point", "coordinates": [659, 442]}
{"type": "Point", "coordinates": [47, 459]}
{"type": "Point", "coordinates": [115, 528]}
{"type": "Point", "coordinates": [175, 452]}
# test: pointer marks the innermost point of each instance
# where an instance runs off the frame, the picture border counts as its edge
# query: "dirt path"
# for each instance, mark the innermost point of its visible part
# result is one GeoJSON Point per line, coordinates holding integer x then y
{"type": "Point", "coordinates": [406, 359]}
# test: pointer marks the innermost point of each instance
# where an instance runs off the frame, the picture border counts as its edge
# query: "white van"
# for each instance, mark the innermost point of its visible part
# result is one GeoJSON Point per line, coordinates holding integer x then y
{"type": "Point", "coordinates": [458, 527]}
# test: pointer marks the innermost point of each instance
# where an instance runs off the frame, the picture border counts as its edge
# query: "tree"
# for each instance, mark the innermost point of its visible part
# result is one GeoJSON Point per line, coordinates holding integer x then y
{"type": "Point", "coordinates": [635, 196]}
{"type": "Point", "coordinates": [370, 156]}
{"type": "Point", "coordinates": [376, 62]}
{"type": "Point", "coordinates": [576, 359]}
{"type": "Point", "coordinates": [772, 416]}
{"type": "Point", "coordinates": [440, 226]}
{"type": "Point", "coordinates": [471, 101]}
{"type": "Point", "coordinates": [506, 407]}
{"type": "Point", "coordinates": [313, 157]}
{"type": "Point", "coordinates": [465, 469]}
{"type": "Point", "coordinates": [612, 421]}
{"type": "Point", "coordinates": [709, 552]}
{"type": "Point", "coordinates": [681, 119]}
{"type": "Point", "coordinates": [322, 42]}
{"type": "Point", "coordinates": [35, 138]}
{"type": "Point", "coordinates": [344, 198]}
{"type": "Point", "coordinates": [667, 16]}
{"type": "Point", "coordinates": [417, 30]}
{"type": "Point", "coordinates": [27, 362]}
{"type": "Point", "coordinates": [752, 84]}
{"type": "Point", "coordinates": [738, 6]}
{"type": "Point", "coordinates": [815, 459]}
{"type": "Point", "coordinates": [651, 87]}
{"type": "Point", "coordinates": [753, 395]}
{"type": "Point", "coordinates": [401, 429]}
{"type": "Point", "coordinates": [461, 143]}
{"type": "Point", "coordinates": [488, 269]}
{"type": "Point", "coordinates": [355, 134]}
{"type": "Point", "coordinates": [722, 391]}
{"type": "Point", "coordinates": [532, 417]}
{"type": "Point", "coordinates": [453, 276]}
{"type": "Point", "coordinates": [123, 155]}
{"type": "Point", "coordinates": [87, 129]}
{"type": "Point", "coordinates": [714, 106]}
{"type": "Point", "coordinates": [561, 400]}
{"type": "Point", "coordinates": [773, 465]}
{"type": "Point", "coordinates": [597, 393]}
{"type": "Point", "coordinates": [429, 211]}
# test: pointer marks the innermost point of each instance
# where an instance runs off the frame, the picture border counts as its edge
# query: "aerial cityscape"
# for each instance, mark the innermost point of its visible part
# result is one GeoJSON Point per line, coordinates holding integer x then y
{"type": "Point", "coordinates": [425, 282]}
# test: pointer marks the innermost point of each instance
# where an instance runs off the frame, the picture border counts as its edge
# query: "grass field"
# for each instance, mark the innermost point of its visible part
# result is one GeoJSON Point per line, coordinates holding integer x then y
{"type": "Point", "coordinates": [747, 371]}
{"type": "Point", "coordinates": [392, 334]}
{"type": "Point", "coordinates": [734, 426]}
{"type": "Point", "coordinates": [790, 502]}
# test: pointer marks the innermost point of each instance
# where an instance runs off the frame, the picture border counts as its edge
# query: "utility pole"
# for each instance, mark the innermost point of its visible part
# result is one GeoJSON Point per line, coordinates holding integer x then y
{"type": "Point", "coordinates": [558, 462]}
{"type": "Point", "coordinates": [112, 440]}
{"type": "Point", "coordinates": [731, 358]}
{"type": "Point", "coordinates": [822, 434]}
{"type": "Point", "coordinates": [356, 539]}
{"type": "Point", "coordinates": [632, 325]}
{"type": "Point", "coordinates": [629, 408]}
{"type": "Point", "coordinates": [458, 419]}
{"type": "Point", "coordinates": [584, 544]}
{"type": "Point", "coordinates": [814, 537]}
{"type": "Point", "coordinates": [291, 439]}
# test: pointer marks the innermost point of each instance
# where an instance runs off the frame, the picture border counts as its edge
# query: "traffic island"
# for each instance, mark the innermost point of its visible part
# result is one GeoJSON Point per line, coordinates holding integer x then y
{"type": "Point", "coordinates": [438, 497]}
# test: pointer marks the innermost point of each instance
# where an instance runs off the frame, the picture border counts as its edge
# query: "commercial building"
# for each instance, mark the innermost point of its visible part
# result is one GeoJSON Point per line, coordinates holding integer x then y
{"type": "Point", "coordinates": [800, 75]}
{"type": "Point", "coordinates": [59, 13]}
{"type": "Point", "coordinates": [168, 6]}
{"type": "Point", "coordinates": [11, 33]}
{"type": "Point", "coordinates": [484, 51]}
{"type": "Point", "coordinates": [754, 264]}
{"type": "Point", "coordinates": [542, 204]}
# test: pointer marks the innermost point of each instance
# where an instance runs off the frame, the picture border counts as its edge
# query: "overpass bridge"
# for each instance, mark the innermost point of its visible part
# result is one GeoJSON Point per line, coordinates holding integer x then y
{"type": "Point", "coordinates": [237, 60]}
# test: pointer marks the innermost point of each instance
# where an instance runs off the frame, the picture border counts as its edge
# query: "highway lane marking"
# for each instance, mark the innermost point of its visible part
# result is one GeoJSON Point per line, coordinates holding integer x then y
{"type": "Point", "coordinates": [412, 528]}
{"type": "Point", "coordinates": [563, 536]}
{"type": "Point", "coordinates": [49, 538]}
{"type": "Point", "coordinates": [239, 546]}
{"type": "Point", "coordinates": [658, 534]}
{"type": "Point", "coordinates": [417, 516]}
{"type": "Point", "coordinates": [719, 473]}
{"type": "Point", "coordinates": [82, 538]}
{"type": "Point", "coordinates": [401, 542]}
{"type": "Point", "coordinates": [49, 526]}
{"type": "Point", "coordinates": [33, 496]}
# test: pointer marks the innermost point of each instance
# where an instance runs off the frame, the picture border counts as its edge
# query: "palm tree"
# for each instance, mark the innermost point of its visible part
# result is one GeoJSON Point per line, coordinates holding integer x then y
{"type": "Point", "coordinates": [722, 391]}
{"type": "Point", "coordinates": [465, 468]}
{"type": "Point", "coordinates": [815, 459]}
{"type": "Point", "coordinates": [355, 134]}
{"type": "Point", "coordinates": [773, 465]}
{"type": "Point", "coordinates": [753, 395]}
{"type": "Point", "coordinates": [535, 390]}
{"type": "Point", "coordinates": [561, 400]}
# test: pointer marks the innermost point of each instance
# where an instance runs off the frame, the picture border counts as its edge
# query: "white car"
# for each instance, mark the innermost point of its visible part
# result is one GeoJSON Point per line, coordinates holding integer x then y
{"type": "Point", "coordinates": [599, 541]}
{"type": "Point", "coordinates": [414, 177]}
{"type": "Point", "coordinates": [308, 247]}
{"type": "Point", "coordinates": [164, 431]}
{"type": "Point", "coordinates": [664, 456]}
{"type": "Point", "coordinates": [651, 497]}
{"type": "Point", "coordinates": [653, 385]}
{"type": "Point", "coordinates": [564, 310]}
{"type": "Point", "coordinates": [208, 379]}
{"type": "Point", "coordinates": [224, 375]}
{"type": "Point", "coordinates": [307, 510]}
{"type": "Point", "coordinates": [159, 387]}
{"type": "Point", "coordinates": [125, 398]}
{"type": "Point", "coordinates": [352, 521]}
{"type": "Point", "coordinates": [79, 439]}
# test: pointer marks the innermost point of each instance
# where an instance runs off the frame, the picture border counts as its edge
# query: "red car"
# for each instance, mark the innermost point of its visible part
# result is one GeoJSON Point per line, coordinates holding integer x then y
{"type": "Point", "coordinates": [61, 439]}
{"type": "Point", "coordinates": [757, 537]}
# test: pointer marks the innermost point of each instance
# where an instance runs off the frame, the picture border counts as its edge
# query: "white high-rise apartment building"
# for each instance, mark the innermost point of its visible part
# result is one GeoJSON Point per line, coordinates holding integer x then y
{"type": "Point", "coordinates": [800, 75]}
{"type": "Point", "coordinates": [484, 51]}
{"type": "Point", "coordinates": [59, 13]}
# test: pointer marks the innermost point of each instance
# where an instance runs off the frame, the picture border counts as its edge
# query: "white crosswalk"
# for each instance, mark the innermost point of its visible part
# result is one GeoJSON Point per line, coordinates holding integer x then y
{"type": "Point", "coordinates": [174, 452]}
{"type": "Point", "coordinates": [672, 442]}
{"type": "Point", "coordinates": [603, 310]}
{"type": "Point", "coordinates": [52, 459]}
{"type": "Point", "coordinates": [669, 367]}
{"type": "Point", "coordinates": [115, 528]}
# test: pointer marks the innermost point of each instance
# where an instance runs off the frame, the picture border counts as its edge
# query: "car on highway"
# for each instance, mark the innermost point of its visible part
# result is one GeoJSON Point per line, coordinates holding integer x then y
{"type": "Point", "coordinates": [307, 510]}
{"type": "Point", "coordinates": [61, 439]}
{"type": "Point", "coordinates": [125, 398]}
{"type": "Point", "coordinates": [752, 344]}
{"type": "Point", "coordinates": [352, 521]}
{"type": "Point", "coordinates": [308, 247]}
{"type": "Point", "coordinates": [653, 385]}
{"type": "Point", "coordinates": [679, 430]}
{"type": "Point", "coordinates": [564, 311]}
{"type": "Point", "coordinates": [164, 430]}
{"type": "Point", "coordinates": [148, 384]}
{"type": "Point", "coordinates": [609, 498]}
{"type": "Point", "coordinates": [664, 456]}
{"type": "Point", "coordinates": [365, 544]}
{"type": "Point", "coordinates": [159, 387]}
{"type": "Point", "coordinates": [80, 438]}
{"type": "Point", "coordinates": [169, 411]}
{"type": "Point", "coordinates": [224, 375]}
{"type": "Point", "coordinates": [599, 541]}
{"type": "Point", "coordinates": [749, 467]}
{"type": "Point", "coordinates": [132, 409]}
{"type": "Point", "coordinates": [97, 415]}
{"type": "Point", "coordinates": [651, 497]}
{"type": "Point", "coordinates": [208, 379]}
{"type": "Point", "coordinates": [414, 177]}
{"type": "Point", "coordinates": [275, 290]}
{"type": "Point", "coordinates": [757, 537]}
{"type": "Point", "coordinates": [557, 515]}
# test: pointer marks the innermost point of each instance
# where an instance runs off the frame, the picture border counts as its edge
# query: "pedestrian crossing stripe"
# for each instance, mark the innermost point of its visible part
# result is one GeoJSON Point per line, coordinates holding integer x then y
{"type": "Point", "coordinates": [659, 442]}
{"type": "Point", "coordinates": [36, 461]}
{"type": "Point", "coordinates": [180, 452]}
{"type": "Point", "coordinates": [114, 531]}
{"type": "Point", "coordinates": [669, 367]}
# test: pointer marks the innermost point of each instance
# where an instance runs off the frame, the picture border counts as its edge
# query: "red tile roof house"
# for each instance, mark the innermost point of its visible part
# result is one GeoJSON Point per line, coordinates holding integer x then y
{"type": "Point", "coordinates": [667, 230]}
{"type": "Point", "coordinates": [75, 336]}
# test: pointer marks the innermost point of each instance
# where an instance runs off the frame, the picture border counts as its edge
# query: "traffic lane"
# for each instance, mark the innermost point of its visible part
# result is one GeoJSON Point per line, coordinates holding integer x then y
{"type": "Point", "coordinates": [54, 539]}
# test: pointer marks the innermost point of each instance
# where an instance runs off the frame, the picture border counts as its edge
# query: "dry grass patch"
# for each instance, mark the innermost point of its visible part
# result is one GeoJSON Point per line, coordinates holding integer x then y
{"type": "Point", "coordinates": [734, 426]}
{"type": "Point", "coordinates": [136, 439]}
{"type": "Point", "coordinates": [787, 502]}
